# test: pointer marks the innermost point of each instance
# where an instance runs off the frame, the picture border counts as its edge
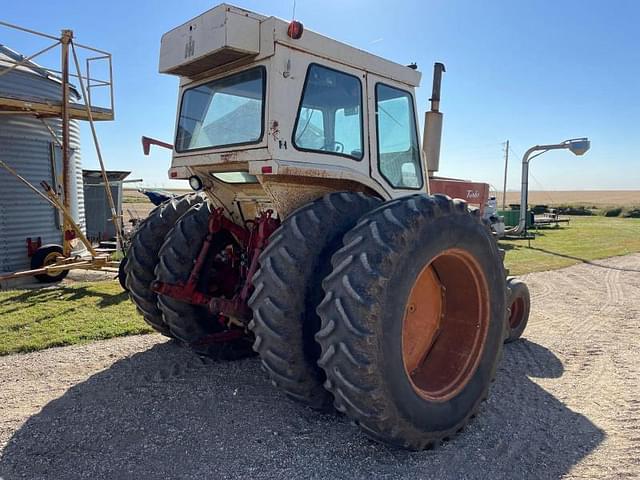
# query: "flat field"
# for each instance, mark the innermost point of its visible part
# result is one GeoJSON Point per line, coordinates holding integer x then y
{"type": "Point", "coordinates": [597, 198]}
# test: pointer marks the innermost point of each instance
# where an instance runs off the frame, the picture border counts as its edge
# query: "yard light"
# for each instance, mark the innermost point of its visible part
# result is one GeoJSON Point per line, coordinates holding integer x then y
{"type": "Point", "coordinates": [577, 146]}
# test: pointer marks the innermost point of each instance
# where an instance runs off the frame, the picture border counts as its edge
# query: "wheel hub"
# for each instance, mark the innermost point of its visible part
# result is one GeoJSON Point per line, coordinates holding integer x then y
{"type": "Point", "coordinates": [50, 259]}
{"type": "Point", "coordinates": [445, 325]}
{"type": "Point", "coordinates": [516, 312]}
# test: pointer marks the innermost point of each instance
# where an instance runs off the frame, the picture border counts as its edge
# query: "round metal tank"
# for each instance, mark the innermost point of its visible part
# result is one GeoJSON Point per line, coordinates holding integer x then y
{"type": "Point", "coordinates": [27, 145]}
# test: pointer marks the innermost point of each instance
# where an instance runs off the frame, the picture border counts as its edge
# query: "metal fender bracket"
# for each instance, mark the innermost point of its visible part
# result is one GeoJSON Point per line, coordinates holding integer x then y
{"type": "Point", "coordinates": [253, 243]}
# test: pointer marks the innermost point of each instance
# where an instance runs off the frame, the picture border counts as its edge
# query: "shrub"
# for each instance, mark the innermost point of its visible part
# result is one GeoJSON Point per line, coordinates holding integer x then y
{"type": "Point", "coordinates": [632, 213]}
{"type": "Point", "coordinates": [573, 210]}
{"type": "Point", "coordinates": [612, 212]}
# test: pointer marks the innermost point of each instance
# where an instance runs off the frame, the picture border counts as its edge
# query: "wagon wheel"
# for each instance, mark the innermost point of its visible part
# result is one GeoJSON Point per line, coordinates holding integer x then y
{"type": "Point", "coordinates": [45, 256]}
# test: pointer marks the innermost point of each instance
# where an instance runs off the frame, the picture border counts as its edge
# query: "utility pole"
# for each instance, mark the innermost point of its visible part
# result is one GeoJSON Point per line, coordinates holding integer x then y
{"type": "Point", "coordinates": [506, 165]}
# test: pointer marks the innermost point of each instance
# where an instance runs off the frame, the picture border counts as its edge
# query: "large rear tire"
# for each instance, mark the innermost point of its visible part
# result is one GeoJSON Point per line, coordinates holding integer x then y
{"type": "Point", "coordinates": [142, 257]}
{"type": "Point", "coordinates": [413, 320]}
{"type": "Point", "coordinates": [288, 288]}
{"type": "Point", "coordinates": [192, 324]}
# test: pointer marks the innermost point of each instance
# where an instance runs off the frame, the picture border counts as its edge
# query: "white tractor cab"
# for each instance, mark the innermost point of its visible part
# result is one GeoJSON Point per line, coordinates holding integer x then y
{"type": "Point", "coordinates": [262, 105]}
{"type": "Point", "coordinates": [312, 238]}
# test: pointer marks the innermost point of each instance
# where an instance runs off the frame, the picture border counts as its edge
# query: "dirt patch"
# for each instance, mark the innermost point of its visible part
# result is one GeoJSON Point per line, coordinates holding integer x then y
{"type": "Point", "coordinates": [565, 404]}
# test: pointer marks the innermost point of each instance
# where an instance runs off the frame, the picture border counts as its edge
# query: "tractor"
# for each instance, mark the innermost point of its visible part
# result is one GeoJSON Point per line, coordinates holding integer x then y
{"type": "Point", "coordinates": [312, 237]}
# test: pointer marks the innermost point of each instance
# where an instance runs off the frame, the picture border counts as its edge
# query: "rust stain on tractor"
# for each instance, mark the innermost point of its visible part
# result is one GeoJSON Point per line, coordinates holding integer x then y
{"type": "Point", "coordinates": [229, 157]}
{"type": "Point", "coordinates": [274, 131]}
{"type": "Point", "coordinates": [290, 192]}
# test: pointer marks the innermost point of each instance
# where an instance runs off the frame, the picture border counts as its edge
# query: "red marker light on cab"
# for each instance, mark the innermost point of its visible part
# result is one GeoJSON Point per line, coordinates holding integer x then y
{"type": "Point", "coordinates": [295, 29]}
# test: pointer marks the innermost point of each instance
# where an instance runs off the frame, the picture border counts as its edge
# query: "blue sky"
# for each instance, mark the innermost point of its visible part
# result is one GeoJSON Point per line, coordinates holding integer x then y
{"type": "Point", "coordinates": [529, 71]}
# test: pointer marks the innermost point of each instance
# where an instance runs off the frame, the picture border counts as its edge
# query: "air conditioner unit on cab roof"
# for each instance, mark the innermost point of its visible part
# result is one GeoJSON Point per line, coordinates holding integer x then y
{"type": "Point", "coordinates": [221, 35]}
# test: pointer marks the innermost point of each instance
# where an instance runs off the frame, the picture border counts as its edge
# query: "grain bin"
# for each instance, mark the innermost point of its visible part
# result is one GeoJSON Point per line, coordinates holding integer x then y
{"type": "Point", "coordinates": [27, 145]}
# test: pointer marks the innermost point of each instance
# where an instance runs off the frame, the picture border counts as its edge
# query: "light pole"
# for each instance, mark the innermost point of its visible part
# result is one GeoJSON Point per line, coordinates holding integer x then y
{"type": "Point", "coordinates": [578, 146]}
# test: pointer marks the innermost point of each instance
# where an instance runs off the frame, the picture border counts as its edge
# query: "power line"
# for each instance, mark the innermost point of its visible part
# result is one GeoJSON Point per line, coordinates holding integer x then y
{"type": "Point", "coordinates": [506, 166]}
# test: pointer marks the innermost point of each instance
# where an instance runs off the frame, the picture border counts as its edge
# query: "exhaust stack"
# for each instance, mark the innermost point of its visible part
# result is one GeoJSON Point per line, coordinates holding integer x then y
{"type": "Point", "coordinates": [433, 123]}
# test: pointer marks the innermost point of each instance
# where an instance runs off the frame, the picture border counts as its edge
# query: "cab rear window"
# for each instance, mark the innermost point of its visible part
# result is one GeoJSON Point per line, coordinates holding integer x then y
{"type": "Point", "coordinates": [224, 112]}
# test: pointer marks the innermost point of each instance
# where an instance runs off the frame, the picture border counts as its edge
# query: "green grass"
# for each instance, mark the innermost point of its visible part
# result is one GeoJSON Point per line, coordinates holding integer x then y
{"type": "Point", "coordinates": [583, 240]}
{"type": "Point", "coordinates": [83, 312]}
{"type": "Point", "coordinates": [65, 315]}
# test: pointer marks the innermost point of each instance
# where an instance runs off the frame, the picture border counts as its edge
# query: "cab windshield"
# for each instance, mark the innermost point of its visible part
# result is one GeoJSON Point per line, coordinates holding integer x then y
{"type": "Point", "coordinates": [224, 112]}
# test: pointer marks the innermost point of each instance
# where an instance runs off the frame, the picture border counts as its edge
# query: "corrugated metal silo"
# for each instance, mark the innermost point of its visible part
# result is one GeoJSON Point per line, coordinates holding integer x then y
{"type": "Point", "coordinates": [28, 147]}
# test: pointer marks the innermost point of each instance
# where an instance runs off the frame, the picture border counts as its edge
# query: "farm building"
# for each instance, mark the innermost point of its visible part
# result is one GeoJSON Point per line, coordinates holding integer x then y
{"type": "Point", "coordinates": [99, 223]}
{"type": "Point", "coordinates": [28, 146]}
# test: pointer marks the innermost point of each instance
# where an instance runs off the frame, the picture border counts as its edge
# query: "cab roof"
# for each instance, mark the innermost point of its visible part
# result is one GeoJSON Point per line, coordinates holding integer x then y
{"type": "Point", "coordinates": [227, 35]}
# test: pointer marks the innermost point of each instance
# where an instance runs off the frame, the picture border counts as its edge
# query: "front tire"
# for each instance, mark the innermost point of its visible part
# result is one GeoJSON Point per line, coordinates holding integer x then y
{"type": "Point", "coordinates": [413, 320]}
{"type": "Point", "coordinates": [519, 303]}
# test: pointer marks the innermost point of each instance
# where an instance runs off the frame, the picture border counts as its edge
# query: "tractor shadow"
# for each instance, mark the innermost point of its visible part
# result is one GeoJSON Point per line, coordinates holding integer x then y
{"type": "Point", "coordinates": [595, 263]}
{"type": "Point", "coordinates": [164, 413]}
{"type": "Point", "coordinates": [44, 293]}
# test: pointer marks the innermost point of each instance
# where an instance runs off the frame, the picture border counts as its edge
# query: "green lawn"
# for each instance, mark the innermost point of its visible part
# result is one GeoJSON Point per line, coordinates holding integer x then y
{"type": "Point", "coordinates": [65, 315]}
{"type": "Point", "coordinates": [584, 239]}
{"type": "Point", "coordinates": [87, 311]}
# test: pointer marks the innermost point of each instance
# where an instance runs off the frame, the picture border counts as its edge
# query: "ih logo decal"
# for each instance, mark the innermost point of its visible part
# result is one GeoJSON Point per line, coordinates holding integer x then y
{"type": "Point", "coordinates": [189, 48]}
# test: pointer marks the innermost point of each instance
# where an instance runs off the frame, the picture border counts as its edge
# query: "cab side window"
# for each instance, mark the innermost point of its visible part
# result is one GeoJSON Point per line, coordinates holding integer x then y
{"type": "Point", "coordinates": [398, 148]}
{"type": "Point", "coordinates": [330, 114]}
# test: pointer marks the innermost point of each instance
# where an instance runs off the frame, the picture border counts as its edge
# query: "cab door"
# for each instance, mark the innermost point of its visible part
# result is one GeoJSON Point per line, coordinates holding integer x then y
{"type": "Point", "coordinates": [395, 148]}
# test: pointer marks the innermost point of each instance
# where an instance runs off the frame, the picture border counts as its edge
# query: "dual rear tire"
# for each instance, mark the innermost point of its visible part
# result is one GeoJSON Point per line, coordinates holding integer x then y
{"type": "Point", "coordinates": [142, 257]}
{"type": "Point", "coordinates": [164, 249]}
{"type": "Point", "coordinates": [288, 288]}
{"type": "Point", "coordinates": [412, 317]}
{"type": "Point", "coordinates": [393, 312]}
{"type": "Point", "coordinates": [194, 325]}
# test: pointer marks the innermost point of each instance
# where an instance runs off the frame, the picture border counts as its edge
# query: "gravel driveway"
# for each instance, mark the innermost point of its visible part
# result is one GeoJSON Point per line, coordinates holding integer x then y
{"type": "Point", "coordinates": [566, 403]}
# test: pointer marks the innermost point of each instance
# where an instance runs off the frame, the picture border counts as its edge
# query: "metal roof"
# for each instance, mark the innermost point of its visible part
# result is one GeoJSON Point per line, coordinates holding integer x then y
{"type": "Point", "coordinates": [112, 175]}
{"type": "Point", "coordinates": [9, 57]}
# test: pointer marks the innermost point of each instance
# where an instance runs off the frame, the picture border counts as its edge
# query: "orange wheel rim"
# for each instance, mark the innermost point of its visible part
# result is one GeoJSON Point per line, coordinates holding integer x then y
{"type": "Point", "coordinates": [517, 312]}
{"type": "Point", "coordinates": [445, 325]}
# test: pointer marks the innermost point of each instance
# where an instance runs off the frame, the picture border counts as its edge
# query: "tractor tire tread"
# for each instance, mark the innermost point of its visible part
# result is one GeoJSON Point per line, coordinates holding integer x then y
{"type": "Point", "coordinates": [142, 257]}
{"type": "Point", "coordinates": [292, 267]}
{"type": "Point", "coordinates": [348, 336]}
